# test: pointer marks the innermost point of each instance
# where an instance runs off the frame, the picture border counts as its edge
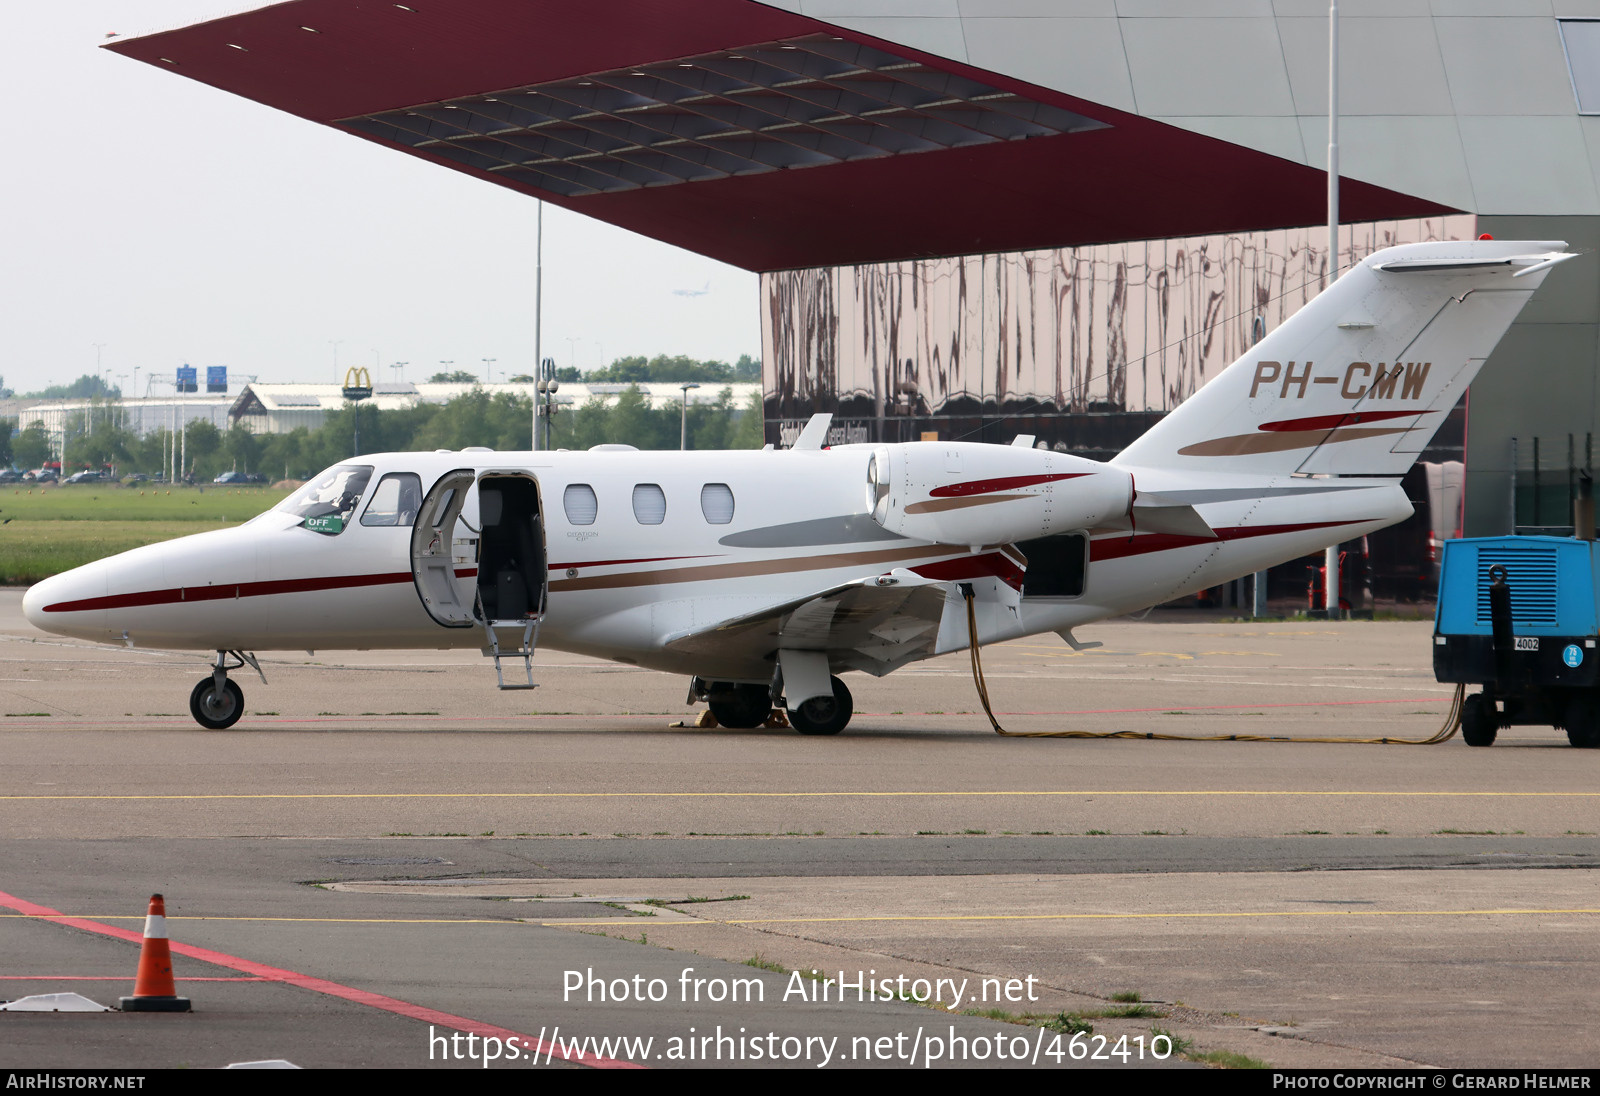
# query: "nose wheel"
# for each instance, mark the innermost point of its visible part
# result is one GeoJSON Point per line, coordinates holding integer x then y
{"type": "Point", "coordinates": [216, 709]}
{"type": "Point", "coordinates": [217, 702]}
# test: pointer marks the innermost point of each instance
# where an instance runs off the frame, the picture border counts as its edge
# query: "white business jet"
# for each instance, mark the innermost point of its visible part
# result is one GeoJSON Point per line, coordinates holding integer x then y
{"type": "Point", "coordinates": [762, 576]}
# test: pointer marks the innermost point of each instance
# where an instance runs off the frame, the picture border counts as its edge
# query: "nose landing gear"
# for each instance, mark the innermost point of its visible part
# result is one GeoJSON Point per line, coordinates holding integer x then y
{"type": "Point", "coordinates": [217, 702]}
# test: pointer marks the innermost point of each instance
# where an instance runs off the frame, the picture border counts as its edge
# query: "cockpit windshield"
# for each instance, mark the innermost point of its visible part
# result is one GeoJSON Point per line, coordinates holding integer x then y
{"type": "Point", "coordinates": [327, 502]}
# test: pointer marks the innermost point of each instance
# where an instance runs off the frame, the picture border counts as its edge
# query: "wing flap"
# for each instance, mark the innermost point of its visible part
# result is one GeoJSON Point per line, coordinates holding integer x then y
{"type": "Point", "coordinates": [875, 624]}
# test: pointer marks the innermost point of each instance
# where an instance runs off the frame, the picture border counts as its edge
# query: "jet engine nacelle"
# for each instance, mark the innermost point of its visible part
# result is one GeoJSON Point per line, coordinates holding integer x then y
{"type": "Point", "coordinates": [970, 493]}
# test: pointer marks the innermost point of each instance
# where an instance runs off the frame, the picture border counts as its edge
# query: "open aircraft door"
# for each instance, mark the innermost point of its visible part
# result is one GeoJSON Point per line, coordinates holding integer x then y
{"type": "Point", "coordinates": [433, 565]}
{"type": "Point", "coordinates": [507, 595]}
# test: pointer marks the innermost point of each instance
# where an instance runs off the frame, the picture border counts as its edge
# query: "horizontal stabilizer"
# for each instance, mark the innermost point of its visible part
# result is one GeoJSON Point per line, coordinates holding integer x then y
{"type": "Point", "coordinates": [1520, 264]}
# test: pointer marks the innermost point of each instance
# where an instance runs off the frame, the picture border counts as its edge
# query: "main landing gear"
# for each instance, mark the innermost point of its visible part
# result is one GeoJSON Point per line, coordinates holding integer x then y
{"type": "Point", "coordinates": [217, 702]}
{"type": "Point", "coordinates": [824, 715]}
{"type": "Point", "coordinates": [746, 706]}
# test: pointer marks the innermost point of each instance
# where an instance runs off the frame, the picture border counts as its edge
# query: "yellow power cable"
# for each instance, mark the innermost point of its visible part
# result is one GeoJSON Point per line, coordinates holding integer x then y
{"type": "Point", "coordinates": [1452, 721]}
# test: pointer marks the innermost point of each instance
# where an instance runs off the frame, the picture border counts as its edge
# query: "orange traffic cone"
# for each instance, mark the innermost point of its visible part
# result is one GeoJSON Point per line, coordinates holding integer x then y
{"type": "Point", "coordinates": [153, 988]}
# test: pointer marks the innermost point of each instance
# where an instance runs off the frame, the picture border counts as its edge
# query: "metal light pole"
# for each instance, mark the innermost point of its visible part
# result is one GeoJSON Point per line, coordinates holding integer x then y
{"type": "Point", "coordinates": [538, 321]}
{"type": "Point", "coordinates": [1330, 558]}
{"type": "Point", "coordinates": [487, 362]}
{"type": "Point", "coordinates": [548, 387]}
{"type": "Point", "coordinates": [683, 429]}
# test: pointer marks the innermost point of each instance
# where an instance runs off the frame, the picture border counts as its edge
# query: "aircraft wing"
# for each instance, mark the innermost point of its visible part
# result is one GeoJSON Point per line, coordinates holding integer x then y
{"type": "Point", "coordinates": [868, 624]}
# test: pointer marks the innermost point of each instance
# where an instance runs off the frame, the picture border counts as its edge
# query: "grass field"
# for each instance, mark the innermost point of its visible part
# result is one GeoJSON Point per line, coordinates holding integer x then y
{"type": "Point", "coordinates": [47, 530]}
{"type": "Point", "coordinates": [103, 502]}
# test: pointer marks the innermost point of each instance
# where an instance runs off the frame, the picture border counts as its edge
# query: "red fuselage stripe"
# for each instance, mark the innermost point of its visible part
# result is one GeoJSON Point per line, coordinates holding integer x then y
{"type": "Point", "coordinates": [988, 565]}
{"type": "Point", "coordinates": [1329, 422]}
{"type": "Point", "coordinates": [1005, 483]}
{"type": "Point", "coordinates": [991, 564]}
{"type": "Point", "coordinates": [1120, 547]}
{"type": "Point", "coordinates": [229, 591]}
{"type": "Point", "coordinates": [618, 562]}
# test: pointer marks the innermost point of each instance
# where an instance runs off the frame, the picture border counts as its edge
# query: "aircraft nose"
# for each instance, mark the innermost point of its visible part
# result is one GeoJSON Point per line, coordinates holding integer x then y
{"type": "Point", "coordinates": [65, 603]}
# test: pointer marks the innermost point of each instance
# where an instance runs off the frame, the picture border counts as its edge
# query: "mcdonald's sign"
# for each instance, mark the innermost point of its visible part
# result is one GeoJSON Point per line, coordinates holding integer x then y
{"type": "Point", "coordinates": [357, 383]}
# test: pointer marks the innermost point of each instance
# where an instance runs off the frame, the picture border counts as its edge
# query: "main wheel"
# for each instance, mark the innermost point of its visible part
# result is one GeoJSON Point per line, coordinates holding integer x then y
{"type": "Point", "coordinates": [822, 715]}
{"type": "Point", "coordinates": [741, 706]}
{"type": "Point", "coordinates": [1582, 720]}
{"type": "Point", "coordinates": [1479, 721]}
{"type": "Point", "coordinates": [214, 711]}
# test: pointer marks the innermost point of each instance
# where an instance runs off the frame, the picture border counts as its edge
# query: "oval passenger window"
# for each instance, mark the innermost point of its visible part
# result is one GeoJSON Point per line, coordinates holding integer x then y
{"type": "Point", "coordinates": [716, 503]}
{"type": "Point", "coordinates": [580, 504]}
{"type": "Point", "coordinates": [649, 504]}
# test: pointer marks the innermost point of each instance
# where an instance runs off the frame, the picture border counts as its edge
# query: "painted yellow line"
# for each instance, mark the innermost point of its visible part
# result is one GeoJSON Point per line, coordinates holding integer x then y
{"type": "Point", "coordinates": [1083, 917]}
{"type": "Point", "coordinates": [1086, 792]}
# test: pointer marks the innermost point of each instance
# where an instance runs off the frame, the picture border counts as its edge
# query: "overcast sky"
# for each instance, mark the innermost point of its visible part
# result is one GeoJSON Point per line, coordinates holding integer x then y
{"type": "Point", "coordinates": [174, 223]}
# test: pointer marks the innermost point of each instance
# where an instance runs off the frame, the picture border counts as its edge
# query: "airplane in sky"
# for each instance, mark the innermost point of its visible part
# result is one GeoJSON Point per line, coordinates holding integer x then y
{"type": "Point", "coordinates": [701, 292]}
{"type": "Point", "coordinates": [763, 576]}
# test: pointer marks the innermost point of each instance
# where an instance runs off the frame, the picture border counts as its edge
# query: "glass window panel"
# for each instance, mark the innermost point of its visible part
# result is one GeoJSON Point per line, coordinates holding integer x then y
{"type": "Point", "coordinates": [716, 503]}
{"type": "Point", "coordinates": [580, 504]}
{"type": "Point", "coordinates": [395, 502]}
{"type": "Point", "coordinates": [649, 504]}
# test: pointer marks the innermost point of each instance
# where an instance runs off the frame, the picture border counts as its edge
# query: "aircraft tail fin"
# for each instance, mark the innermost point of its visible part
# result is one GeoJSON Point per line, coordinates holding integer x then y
{"type": "Point", "coordinates": [1358, 381]}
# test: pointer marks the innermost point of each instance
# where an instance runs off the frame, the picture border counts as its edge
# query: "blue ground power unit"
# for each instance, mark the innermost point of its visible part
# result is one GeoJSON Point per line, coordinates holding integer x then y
{"type": "Point", "coordinates": [1518, 616]}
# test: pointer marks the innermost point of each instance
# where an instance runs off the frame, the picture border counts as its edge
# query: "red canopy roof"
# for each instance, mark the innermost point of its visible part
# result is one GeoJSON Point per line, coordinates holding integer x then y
{"type": "Point", "coordinates": [755, 136]}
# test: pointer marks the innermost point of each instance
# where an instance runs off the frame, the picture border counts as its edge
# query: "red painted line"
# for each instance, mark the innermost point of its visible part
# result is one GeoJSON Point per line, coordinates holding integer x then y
{"type": "Point", "coordinates": [1004, 483]}
{"type": "Point", "coordinates": [990, 565]}
{"type": "Point", "coordinates": [1118, 547]}
{"type": "Point", "coordinates": [1246, 707]}
{"type": "Point", "coordinates": [1329, 422]}
{"type": "Point", "coordinates": [618, 562]}
{"type": "Point", "coordinates": [322, 985]}
{"type": "Point", "coordinates": [227, 592]}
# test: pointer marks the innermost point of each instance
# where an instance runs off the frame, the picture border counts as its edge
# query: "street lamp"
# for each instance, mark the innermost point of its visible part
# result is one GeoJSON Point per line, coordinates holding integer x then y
{"type": "Point", "coordinates": [487, 362]}
{"type": "Point", "coordinates": [683, 428]}
{"type": "Point", "coordinates": [547, 387]}
{"type": "Point", "coordinates": [399, 371]}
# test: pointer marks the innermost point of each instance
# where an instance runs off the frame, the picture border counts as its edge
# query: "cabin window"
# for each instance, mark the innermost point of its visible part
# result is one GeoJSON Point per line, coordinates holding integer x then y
{"type": "Point", "coordinates": [395, 502]}
{"type": "Point", "coordinates": [443, 508]}
{"type": "Point", "coordinates": [327, 503]}
{"type": "Point", "coordinates": [716, 503]}
{"type": "Point", "coordinates": [580, 504]}
{"type": "Point", "coordinates": [649, 504]}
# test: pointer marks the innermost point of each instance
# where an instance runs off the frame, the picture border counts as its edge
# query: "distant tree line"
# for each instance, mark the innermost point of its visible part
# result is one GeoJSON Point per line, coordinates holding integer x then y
{"type": "Point", "coordinates": [98, 437]}
{"type": "Point", "coordinates": [86, 387]}
{"type": "Point", "coordinates": [637, 369]}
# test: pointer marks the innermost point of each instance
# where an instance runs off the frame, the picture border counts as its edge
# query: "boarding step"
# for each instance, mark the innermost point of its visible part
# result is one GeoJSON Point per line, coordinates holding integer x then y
{"type": "Point", "coordinates": [512, 639]}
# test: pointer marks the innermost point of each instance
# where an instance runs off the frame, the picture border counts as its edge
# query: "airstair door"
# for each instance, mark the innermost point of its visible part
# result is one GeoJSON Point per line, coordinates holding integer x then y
{"type": "Point", "coordinates": [512, 572]}
{"type": "Point", "coordinates": [447, 597]}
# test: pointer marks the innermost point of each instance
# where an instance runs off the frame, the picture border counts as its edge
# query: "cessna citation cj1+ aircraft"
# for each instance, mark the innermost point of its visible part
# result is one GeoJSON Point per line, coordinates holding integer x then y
{"type": "Point", "coordinates": [763, 575]}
